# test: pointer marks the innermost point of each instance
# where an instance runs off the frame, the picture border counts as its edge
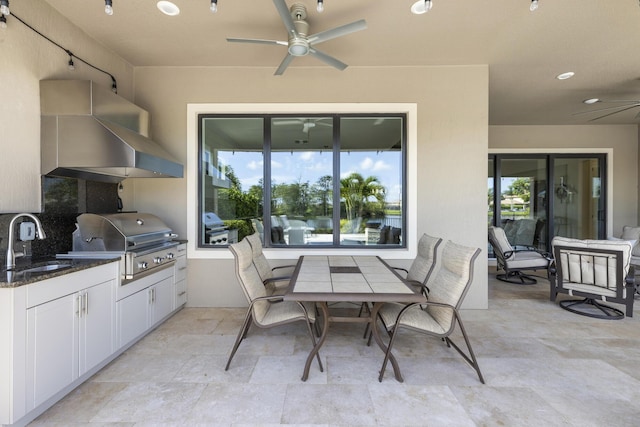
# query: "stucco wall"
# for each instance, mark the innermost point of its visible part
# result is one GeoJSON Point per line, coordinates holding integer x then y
{"type": "Point", "coordinates": [452, 145]}
{"type": "Point", "coordinates": [621, 139]}
{"type": "Point", "coordinates": [25, 59]}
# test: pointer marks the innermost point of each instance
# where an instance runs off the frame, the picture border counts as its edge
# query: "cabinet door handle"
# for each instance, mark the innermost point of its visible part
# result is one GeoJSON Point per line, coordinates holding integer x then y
{"type": "Point", "coordinates": [182, 293]}
{"type": "Point", "coordinates": [182, 268]}
{"type": "Point", "coordinates": [86, 303]}
{"type": "Point", "coordinates": [79, 306]}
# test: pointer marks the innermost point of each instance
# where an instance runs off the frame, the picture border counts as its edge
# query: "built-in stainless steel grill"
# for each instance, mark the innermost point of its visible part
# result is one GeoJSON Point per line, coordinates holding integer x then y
{"type": "Point", "coordinates": [215, 230]}
{"type": "Point", "coordinates": [143, 241]}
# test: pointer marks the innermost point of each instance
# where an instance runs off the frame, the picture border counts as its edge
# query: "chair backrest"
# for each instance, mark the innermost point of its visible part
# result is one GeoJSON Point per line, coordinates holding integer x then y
{"type": "Point", "coordinates": [260, 261]}
{"type": "Point", "coordinates": [424, 262]}
{"type": "Point", "coordinates": [249, 278]}
{"type": "Point", "coordinates": [451, 281]}
{"type": "Point", "coordinates": [499, 242]}
{"type": "Point", "coordinates": [594, 263]}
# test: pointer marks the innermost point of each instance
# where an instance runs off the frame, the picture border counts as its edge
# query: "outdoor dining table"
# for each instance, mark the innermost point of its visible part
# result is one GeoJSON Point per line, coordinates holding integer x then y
{"type": "Point", "coordinates": [355, 279]}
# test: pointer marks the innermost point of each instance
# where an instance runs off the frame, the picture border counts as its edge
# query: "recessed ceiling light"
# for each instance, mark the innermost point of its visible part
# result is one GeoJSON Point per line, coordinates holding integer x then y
{"type": "Point", "coordinates": [565, 76]}
{"type": "Point", "coordinates": [420, 7]}
{"type": "Point", "coordinates": [591, 100]}
{"type": "Point", "coordinates": [168, 8]}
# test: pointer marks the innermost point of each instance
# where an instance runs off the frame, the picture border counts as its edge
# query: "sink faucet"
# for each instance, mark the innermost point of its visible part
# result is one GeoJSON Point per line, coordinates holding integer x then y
{"type": "Point", "coordinates": [11, 256]}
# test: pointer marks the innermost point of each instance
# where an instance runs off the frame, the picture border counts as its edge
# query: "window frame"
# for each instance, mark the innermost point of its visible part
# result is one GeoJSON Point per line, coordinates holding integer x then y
{"type": "Point", "coordinates": [194, 111]}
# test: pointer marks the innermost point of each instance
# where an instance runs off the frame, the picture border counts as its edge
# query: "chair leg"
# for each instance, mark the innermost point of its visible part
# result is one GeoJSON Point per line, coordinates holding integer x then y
{"type": "Point", "coordinates": [471, 359]}
{"type": "Point", "coordinates": [313, 341]}
{"type": "Point", "coordinates": [241, 335]}
{"type": "Point", "coordinates": [388, 352]}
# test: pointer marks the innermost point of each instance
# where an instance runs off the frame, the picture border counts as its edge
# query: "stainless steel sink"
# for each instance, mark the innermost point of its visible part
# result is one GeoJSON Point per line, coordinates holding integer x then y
{"type": "Point", "coordinates": [45, 268]}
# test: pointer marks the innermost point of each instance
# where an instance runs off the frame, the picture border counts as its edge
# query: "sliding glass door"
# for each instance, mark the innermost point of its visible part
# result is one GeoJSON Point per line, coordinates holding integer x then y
{"type": "Point", "coordinates": [535, 197]}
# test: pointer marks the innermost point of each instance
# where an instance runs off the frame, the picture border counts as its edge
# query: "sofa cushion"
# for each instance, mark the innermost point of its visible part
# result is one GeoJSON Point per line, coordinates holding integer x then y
{"type": "Point", "coordinates": [632, 233]}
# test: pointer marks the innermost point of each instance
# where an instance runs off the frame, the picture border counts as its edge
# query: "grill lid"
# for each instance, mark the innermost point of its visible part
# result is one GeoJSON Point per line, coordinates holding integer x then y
{"type": "Point", "coordinates": [212, 221]}
{"type": "Point", "coordinates": [119, 232]}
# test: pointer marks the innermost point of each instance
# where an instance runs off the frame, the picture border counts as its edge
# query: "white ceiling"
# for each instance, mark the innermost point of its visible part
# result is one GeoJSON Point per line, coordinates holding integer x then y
{"type": "Point", "coordinates": [598, 40]}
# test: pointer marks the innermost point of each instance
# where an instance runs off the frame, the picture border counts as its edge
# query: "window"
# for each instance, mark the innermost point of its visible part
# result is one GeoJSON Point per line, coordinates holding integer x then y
{"type": "Point", "coordinates": [535, 197]}
{"type": "Point", "coordinates": [318, 180]}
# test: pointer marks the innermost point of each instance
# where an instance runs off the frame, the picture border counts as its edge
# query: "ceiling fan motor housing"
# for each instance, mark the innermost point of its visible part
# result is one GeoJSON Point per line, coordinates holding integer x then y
{"type": "Point", "coordinates": [299, 45]}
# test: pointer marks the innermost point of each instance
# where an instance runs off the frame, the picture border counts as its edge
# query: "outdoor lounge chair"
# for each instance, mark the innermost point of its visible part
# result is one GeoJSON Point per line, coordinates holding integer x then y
{"type": "Point", "coordinates": [514, 261]}
{"type": "Point", "coordinates": [265, 311]}
{"type": "Point", "coordinates": [449, 286]}
{"type": "Point", "coordinates": [597, 270]}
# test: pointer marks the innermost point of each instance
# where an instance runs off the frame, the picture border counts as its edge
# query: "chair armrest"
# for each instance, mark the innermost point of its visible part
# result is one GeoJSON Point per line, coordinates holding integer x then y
{"type": "Point", "coordinates": [402, 269]}
{"type": "Point", "coordinates": [630, 280]}
{"type": "Point", "coordinates": [282, 266]}
{"type": "Point", "coordinates": [276, 279]}
{"type": "Point", "coordinates": [268, 298]}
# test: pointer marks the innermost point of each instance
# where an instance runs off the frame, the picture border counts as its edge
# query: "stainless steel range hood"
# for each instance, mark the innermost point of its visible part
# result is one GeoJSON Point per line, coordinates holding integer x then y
{"type": "Point", "coordinates": [89, 132]}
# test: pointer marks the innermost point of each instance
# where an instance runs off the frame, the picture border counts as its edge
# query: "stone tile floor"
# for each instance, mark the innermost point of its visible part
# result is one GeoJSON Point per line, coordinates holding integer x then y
{"type": "Point", "coordinates": [544, 366]}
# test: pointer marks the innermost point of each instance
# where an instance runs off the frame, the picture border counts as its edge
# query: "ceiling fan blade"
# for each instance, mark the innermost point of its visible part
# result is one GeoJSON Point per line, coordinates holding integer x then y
{"type": "Point", "coordinates": [285, 15]}
{"type": "Point", "coordinates": [258, 41]}
{"type": "Point", "coordinates": [615, 112]}
{"type": "Point", "coordinates": [604, 109]}
{"type": "Point", "coordinates": [327, 59]}
{"type": "Point", "coordinates": [343, 30]}
{"type": "Point", "coordinates": [284, 64]}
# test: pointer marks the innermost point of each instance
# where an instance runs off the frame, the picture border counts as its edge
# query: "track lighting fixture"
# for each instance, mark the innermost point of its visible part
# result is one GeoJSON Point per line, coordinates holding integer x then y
{"type": "Point", "coordinates": [3, 22]}
{"type": "Point", "coordinates": [4, 7]}
{"type": "Point", "coordinates": [320, 7]}
{"type": "Point", "coordinates": [214, 6]}
{"type": "Point", "coordinates": [534, 5]}
{"type": "Point", "coordinates": [108, 7]}
{"type": "Point", "coordinates": [71, 65]}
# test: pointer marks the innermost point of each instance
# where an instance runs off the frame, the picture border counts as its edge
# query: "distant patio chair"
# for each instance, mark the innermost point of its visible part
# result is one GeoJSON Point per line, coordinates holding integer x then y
{"type": "Point", "coordinates": [265, 311]}
{"type": "Point", "coordinates": [515, 261]}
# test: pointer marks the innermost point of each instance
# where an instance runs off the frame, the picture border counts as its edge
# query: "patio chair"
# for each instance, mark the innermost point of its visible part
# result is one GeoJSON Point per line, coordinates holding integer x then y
{"type": "Point", "coordinates": [265, 311]}
{"type": "Point", "coordinates": [514, 261]}
{"type": "Point", "coordinates": [448, 289]}
{"type": "Point", "coordinates": [423, 264]}
{"type": "Point", "coordinates": [274, 284]}
{"type": "Point", "coordinates": [597, 270]}
{"type": "Point", "coordinates": [420, 271]}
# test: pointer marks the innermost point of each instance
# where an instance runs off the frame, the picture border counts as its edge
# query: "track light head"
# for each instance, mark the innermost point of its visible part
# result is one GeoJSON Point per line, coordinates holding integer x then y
{"type": "Point", "coordinates": [3, 22]}
{"type": "Point", "coordinates": [534, 5]}
{"type": "Point", "coordinates": [108, 7]}
{"type": "Point", "coordinates": [4, 7]}
{"type": "Point", "coordinates": [214, 6]}
{"type": "Point", "coordinates": [320, 7]}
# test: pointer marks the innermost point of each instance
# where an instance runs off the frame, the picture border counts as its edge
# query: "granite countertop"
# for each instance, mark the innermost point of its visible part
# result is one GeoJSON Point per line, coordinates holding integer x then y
{"type": "Point", "coordinates": [24, 273]}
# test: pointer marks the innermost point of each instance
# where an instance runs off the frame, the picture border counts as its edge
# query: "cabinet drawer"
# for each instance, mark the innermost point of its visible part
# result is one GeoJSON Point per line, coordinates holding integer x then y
{"type": "Point", "coordinates": [181, 268]}
{"type": "Point", "coordinates": [181, 293]}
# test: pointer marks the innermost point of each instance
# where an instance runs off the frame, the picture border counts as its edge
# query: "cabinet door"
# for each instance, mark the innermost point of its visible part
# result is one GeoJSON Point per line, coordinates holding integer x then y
{"type": "Point", "coordinates": [161, 300]}
{"type": "Point", "coordinates": [52, 348]}
{"type": "Point", "coordinates": [133, 317]}
{"type": "Point", "coordinates": [97, 325]}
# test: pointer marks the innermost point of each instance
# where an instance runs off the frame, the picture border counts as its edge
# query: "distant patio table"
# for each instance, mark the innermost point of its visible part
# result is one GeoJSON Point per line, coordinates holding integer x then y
{"type": "Point", "coordinates": [341, 278]}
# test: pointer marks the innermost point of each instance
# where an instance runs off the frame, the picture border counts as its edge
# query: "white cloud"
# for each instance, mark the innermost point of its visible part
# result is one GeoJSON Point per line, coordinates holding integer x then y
{"type": "Point", "coordinates": [254, 165]}
{"type": "Point", "coordinates": [380, 165]}
{"type": "Point", "coordinates": [366, 163]}
{"type": "Point", "coordinates": [307, 155]}
{"type": "Point", "coordinates": [275, 165]}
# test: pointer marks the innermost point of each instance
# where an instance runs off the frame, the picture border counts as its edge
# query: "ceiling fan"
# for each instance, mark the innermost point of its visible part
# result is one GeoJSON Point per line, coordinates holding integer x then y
{"type": "Point", "coordinates": [621, 106]}
{"type": "Point", "coordinates": [300, 43]}
{"type": "Point", "coordinates": [305, 123]}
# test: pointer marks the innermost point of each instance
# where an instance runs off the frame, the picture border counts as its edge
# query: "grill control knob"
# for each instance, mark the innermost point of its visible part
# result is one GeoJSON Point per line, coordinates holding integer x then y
{"type": "Point", "coordinates": [143, 265]}
{"type": "Point", "coordinates": [158, 260]}
{"type": "Point", "coordinates": [170, 255]}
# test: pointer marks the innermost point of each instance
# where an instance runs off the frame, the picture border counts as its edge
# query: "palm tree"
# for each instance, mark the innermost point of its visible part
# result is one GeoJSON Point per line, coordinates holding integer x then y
{"type": "Point", "coordinates": [356, 191]}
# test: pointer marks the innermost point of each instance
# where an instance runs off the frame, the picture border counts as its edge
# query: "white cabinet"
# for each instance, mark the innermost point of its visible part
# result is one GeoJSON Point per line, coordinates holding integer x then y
{"type": "Point", "coordinates": [180, 276]}
{"type": "Point", "coordinates": [53, 332]}
{"type": "Point", "coordinates": [142, 304]}
{"type": "Point", "coordinates": [66, 338]}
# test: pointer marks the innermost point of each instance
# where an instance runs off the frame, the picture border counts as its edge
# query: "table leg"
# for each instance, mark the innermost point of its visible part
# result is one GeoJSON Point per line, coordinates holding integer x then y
{"type": "Point", "coordinates": [381, 344]}
{"type": "Point", "coordinates": [325, 327]}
